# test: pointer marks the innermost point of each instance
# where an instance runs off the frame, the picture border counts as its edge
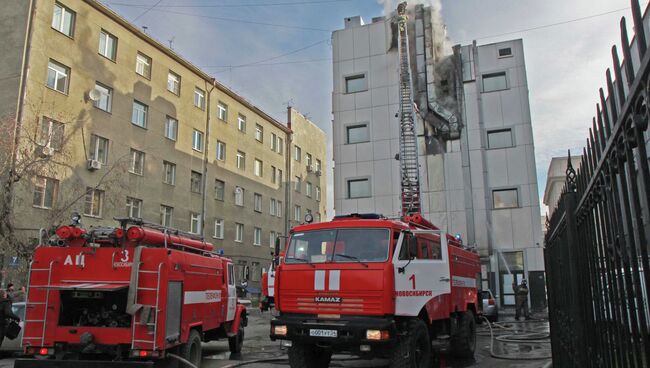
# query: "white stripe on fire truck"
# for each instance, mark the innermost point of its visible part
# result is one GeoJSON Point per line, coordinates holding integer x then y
{"type": "Point", "coordinates": [204, 296]}
{"type": "Point", "coordinates": [463, 281]}
{"type": "Point", "coordinates": [319, 280]}
{"type": "Point", "coordinates": [335, 279]}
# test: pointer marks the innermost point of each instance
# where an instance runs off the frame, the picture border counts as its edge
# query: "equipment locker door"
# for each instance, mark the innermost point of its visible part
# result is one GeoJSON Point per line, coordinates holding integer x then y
{"type": "Point", "coordinates": [232, 293]}
{"type": "Point", "coordinates": [421, 271]}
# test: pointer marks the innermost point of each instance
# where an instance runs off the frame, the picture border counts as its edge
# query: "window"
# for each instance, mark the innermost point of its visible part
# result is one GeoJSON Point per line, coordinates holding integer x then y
{"type": "Point", "coordinates": [308, 158]}
{"type": "Point", "coordinates": [105, 99]}
{"type": "Point", "coordinates": [195, 182]}
{"type": "Point", "coordinates": [107, 45]}
{"type": "Point", "coordinates": [500, 138]}
{"type": "Point", "coordinates": [297, 184]}
{"type": "Point", "coordinates": [45, 192]}
{"type": "Point", "coordinates": [222, 111]}
{"type": "Point", "coordinates": [199, 98]}
{"type": "Point", "coordinates": [51, 134]}
{"type": "Point", "coordinates": [143, 65]}
{"type": "Point", "coordinates": [319, 166]}
{"type": "Point", "coordinates": [257, 236]}
{"type": "Point", "coordinates": [259, 133]}
{"type": "Point", "coordinates": [280, 145]}
{"type": "Point", "coordinates": [239, 232]}
{"type": "Point", "coordinates": [241, 123]}
{"type": "Point", "coordinates": [63, 19]}
{"type": "Point", "coordinates": [272, 207]}
{"type": "Point", "coordinates": [259, 168]}
{"type": "Point", "coordinates": [279, 209]}
{"type": "Point", "coordinates": [221, 151]}
{"type": "Point", "coordinates": [137, 162]}
{"type": "Point", "coordinates": [257, 202]}
{"type": "Point", "coordinates": [308, 189]}
{"type": "Point", "coordinates": [297, 153]}
{"type": "Point", "coordinates": [355, 83]}
{"type": "Point", "coordinates": [93, 202]}
{"type": "Point", "coordinates": [274, 172]}
{"type": "Point", "coordinates": [195, 223]}
{"type": "Point", "coordinates": [505, 52]}
{"type": "Point", "coordinates": [171, 128]}
{"type": "Point", "coordinates": [297, 213]}
{"type": "Point", "coordinates": [495, 82]}
{"type": "Point", "coordinates": [317, 217]}
{"type": "Point", "coordinates": [219, 189]}
{"type": "Point", "coordinates": [241, 160]}
{"type": "Point", "coordinates": [318, 193]}
{"type": "Point", "coordinates": [218, 228]}
{"type": "Point", "coordinates": [272, 236]}
{"type": "Point", "coordinates": [166, 215]}
{"type": "Point", "coordinates": [357, 133]}
{"type": "Point", "coordinates": [239, 196]}
{"type": "Point", "coordinates": [139, 114]}
{"type": "Point", "coordinates": [58, 76]}
{"type": "Point", "coordinates": [274, 142]}
{"type": "Point", "coordinates": [174, 83]}
{"type": "Point", "coordinates": [169, 173]}
{"type": "Point", "coordinates": [505, 198]}
{"type": "Point", "coordinates": [197, 140]}
{"type": "Point", "coordinates": [99, 149]}
{"type": "Point", "coordinates": [133, 207]}
{"type": "Point", "coordinates": [280, 177]}
{"type": "Point", "coordinates": [358, 188]}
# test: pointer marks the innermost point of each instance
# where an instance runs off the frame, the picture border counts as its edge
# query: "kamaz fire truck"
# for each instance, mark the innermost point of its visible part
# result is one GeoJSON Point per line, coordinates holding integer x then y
{"type": "Point", "coordinates": [131, 295]}
{"type": "Point", "coordinates": [378, 287]}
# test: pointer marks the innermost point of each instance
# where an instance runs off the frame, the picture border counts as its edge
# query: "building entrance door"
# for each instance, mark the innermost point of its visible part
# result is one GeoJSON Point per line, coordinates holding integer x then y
{"type": "Point", "coordinates": [507, 292]}
{"type": "Point", "coordinates": [511, 269]}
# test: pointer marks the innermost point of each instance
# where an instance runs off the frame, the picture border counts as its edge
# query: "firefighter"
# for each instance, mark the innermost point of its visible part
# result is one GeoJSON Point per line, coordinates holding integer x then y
{"type": "Point", "coordinates": [6, 313]}
{"type": "Point", "coordinates": [521, 299]}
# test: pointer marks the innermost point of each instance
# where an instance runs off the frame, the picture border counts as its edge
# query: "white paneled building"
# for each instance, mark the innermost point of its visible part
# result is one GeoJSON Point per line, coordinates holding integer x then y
{"type": "Point", "coordinates": [480, 183]}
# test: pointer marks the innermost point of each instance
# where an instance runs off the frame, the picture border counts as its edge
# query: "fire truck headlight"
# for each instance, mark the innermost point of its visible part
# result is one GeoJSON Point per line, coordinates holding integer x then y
{"type": "Point", "coordinates": [377, 335]}
{"type": "Point", "coordinates": [280, 330]}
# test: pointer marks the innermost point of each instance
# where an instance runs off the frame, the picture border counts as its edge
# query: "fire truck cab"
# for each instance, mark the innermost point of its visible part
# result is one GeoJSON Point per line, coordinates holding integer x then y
{"type": "Point", "coordinates": [375, 287]}
{"type": "Point", "coordinates": [128, 296]}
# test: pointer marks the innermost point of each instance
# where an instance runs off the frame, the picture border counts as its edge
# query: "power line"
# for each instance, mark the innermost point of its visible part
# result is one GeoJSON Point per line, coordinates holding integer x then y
{"type": "Point", "coordinates": [233, 5]}
{"type": "Point", "coordinates": [147, 11]}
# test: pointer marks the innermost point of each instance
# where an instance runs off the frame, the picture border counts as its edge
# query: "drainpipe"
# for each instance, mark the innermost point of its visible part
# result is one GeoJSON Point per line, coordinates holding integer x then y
{"type": "Point", "coordinates": [205, 157]}
{"type": "Point", "coordinates": [287, 170]}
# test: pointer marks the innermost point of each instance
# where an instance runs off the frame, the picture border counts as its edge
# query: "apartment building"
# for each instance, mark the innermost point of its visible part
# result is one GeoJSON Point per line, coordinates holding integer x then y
{"type": "Point", "coordinates": [475, 143]}
{"type": "Point", "coordinates": [126, 126]}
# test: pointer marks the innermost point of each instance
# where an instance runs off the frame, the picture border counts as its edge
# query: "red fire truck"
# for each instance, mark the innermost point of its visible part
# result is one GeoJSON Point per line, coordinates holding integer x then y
{"type": "Point", "coordinates": [128, 295]}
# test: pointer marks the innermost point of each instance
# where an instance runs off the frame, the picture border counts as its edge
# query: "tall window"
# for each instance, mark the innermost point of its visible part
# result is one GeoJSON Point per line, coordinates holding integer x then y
{"type": "Point", "coordinates": [259, 168]}
{"type": "Point", "coordinates": [357, 133]}
{"type": "Point", "coordinates": [280, 145]}
{"type": "Point", "coordinates": [297, 213]}
{"type": "Point", "coordinates": [308, 189]}
{"type": "Point", "coordinates": [222, 111]}
{"type": "Point", "coordinates": [239, 232]}
{"type": "Point", "coordinates": [495, 82]}
{"type": "Point", "coordinates": [272, 236]}
{"type": "Point", "coordinates": [105, 99]}
{"type": "Point", "coordinates": [45, 192]}
{"type": "Point", "coordinates": [308, 158]}
{"type": "Point", "coordinates": [274, 142]}
{"type": "Point", "coordinates": [169, 173]}
{"type": "Point", "coordinates": [279, 209]}
{"type": "Point", "coordinates": [166, 216]}
{"type": "Point", "coordinates": [133, 207]}
{"type": "Point", "coordinates": [139, 114]}
{"type": "Point", "coordinates": [137, 162]}
{"type": "Point", "coordinates": [218, 228]}
{"type": "Point", "coordinates": [143, 65]}
{"type": "Point", "coordinates": [257, 200]}
{"type": "Point", "coordinates": [195, 223]}
{"type": "Point", "coordinates": [107, 45]}
{"type": "Point", "coordinates": [51, 134]}
{"type": "Point", "coordinates": [93, 202]}
{"type": "Point", "coordinates": [58, 76]}
{"type": "Point", "coordinates": [199, 98]}
{"type": "Point", "coordinates": [174, 83]}
{"type": "Point", "coordinates": [239, 196]}
{"type": "Point", "coordinates": [319, 166]}
{"type": "Point", "coordinates": [257, 236]}
{"type": "Point", "coordinates": [505, 198]}
{"type": "Point", "coordinates": [241, 160]}
{"type": "Point", "coordinates": [274, 173]}
{"type": "Point", "coordinates": [297, 153]}
{"type": "Point", "coordinates": [318, 193]}
{"type": "Point", "coordinates": [197, 140]}
{"type": "Point", "coordinates": [195, 182]}
{"type": "Point", "coordinates": [219, 189]}
{"type": "Point", "coordinates": [171, 128]}
{"type": "Point", "coordinates": [221, 151]}
{"type": "Point", "coordinates": [259, 133]}
{"type": "Point", "coordinates": [501, 138]}
{"type": "Point", "coordinates": [241, 123]}
{"type": "Point", "coordinates": [358, 188]}
{"type": "Point", "coordinates": [297, 184]}
{"type": "Point", "coordinates": [99, 149]}
{"type": "Point", "coordinates": [63, 19]}
{"type": "Point", "coordinates": [280, 177]}
{"type": "Point", "coordinates": [273, 207]}
{"type": "Point", "coordinates": [356, 83]}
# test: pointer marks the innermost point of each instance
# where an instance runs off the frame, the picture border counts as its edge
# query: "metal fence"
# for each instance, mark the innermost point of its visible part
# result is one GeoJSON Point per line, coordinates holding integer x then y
{"type": "Point", "coordinates": [596, 252]}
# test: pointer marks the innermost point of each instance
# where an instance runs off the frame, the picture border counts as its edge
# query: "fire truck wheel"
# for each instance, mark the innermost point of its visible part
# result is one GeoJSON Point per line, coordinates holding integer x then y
{"type": "Point", "coordinates": [414, 349]}
{"type": "Point", "coordinates": [192, 349]}
{"type": "Point", "coordinates": [306, 355]}
{"type": "Point", "coordinates": [463, 341]}
{"type": "Point", "coordinates": [236, 342]}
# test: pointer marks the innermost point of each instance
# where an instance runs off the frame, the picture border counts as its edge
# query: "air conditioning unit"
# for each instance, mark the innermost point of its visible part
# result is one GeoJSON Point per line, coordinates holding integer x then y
{"type": "Point", "coordinates": [94, 165]}
{"type": "Point", "coordinates": [309, 168]}
{"type": "Point", "coordinates": [318, 173]}
{"type": "Point", "coordinates": [45, 151]}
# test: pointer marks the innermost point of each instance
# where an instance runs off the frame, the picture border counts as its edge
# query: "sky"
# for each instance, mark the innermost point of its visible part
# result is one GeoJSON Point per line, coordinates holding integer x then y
{"type": "Point", "coordinates": [278, 52]}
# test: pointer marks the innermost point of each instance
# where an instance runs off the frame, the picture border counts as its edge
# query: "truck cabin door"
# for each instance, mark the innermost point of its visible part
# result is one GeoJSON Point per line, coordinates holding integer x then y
{"type": "Point", "coordinates": [232, 293]}
{"type": "Point", "coordinates": [421, 268]}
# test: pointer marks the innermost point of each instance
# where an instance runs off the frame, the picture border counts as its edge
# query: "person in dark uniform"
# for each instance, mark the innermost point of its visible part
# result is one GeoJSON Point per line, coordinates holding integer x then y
{"type": "Point", "coordinates": [521, 299]}
{"type": "Point", "coordinates": [6, 314]}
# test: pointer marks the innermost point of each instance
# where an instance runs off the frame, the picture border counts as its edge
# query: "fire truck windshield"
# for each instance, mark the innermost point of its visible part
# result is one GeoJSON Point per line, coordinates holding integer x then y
{"type": "Point", "coordinates": [339, 245]}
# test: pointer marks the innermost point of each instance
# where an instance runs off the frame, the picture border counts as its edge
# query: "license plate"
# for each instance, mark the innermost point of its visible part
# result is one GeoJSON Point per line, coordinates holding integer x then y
{"type": "Point", "coordinates": [322, 333]}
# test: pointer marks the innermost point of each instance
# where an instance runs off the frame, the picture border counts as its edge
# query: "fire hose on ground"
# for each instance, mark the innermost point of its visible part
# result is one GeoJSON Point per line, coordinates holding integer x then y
{"type": "Point", "coordinates": [518, 337]}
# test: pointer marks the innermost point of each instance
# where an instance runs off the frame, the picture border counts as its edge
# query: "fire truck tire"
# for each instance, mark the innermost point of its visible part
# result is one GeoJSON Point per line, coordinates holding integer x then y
{"type": "Point", "coordinates": [236, 342]}
{"type": "Point", "coordinates": [191, 350]}
{"type": "Point", "coordinates": [463, 340]}
{"type": "Point", "coordinates": [306, 355]}
{"type": "Point", "coordinates": [414, 349]}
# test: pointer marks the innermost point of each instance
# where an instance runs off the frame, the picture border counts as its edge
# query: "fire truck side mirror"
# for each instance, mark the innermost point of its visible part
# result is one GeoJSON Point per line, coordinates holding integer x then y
{"type": "Point", "coordinates": [276, 259]}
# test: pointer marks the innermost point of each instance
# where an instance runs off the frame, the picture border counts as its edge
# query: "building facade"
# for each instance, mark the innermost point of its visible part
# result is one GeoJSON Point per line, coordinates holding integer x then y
{"type": "Point", "coordinates": [127, 127]}
{"type": "Point", "coordinates": [476, 151]}
{"type": "Point", "coordinates": [555, 180]}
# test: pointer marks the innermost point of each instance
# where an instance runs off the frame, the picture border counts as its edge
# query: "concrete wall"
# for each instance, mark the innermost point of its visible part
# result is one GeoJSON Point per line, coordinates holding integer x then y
{"type": "Point", "coordinates": [13, 28]}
